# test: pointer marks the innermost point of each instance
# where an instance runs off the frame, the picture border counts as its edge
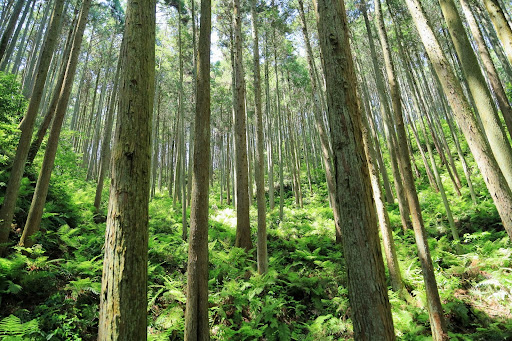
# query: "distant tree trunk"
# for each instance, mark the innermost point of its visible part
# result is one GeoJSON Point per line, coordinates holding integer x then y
{"type": "Point", "coordinates": [488, 64]}
{"type": "Point", "coordinates": [36, 208]}
{"type": "Point", "coordinates": [270, 146]}
{"type": "Point", "coordinates": [243, 227]}
{"type": "Point", "coordinates": [435, 309]}
{"type": "Point", "coordinates": [9, 29]}
{"type": "Point", "coordinates": [27, 127]}
{"type": "Point", "coordinates": [371, 313]}
{"type": "Point", "coordinates": [494, 179]}
{"type": "Point", "coordinates": [497, 138]}
{"type": "Point", "coordinates": [260, 160]}
{"type": "Point", "coordinates": [382, 213]}
{"type": "Point", "coordinates": [11, 46]}
{"type": "Point", "coordinates": [197, 326]}
{"type": "Point", "coordinates": [123, 299]}
{"type": "Point", "coordinates": [389, 129]}
{"type": "Point", "coordinates": [107, 135]}
{"type": "Point", "coordinates": [501, 25]}
{"type": "Point", "coordinates": [24, 42]}
{"type": "Point", "coordinates": [50, 113]}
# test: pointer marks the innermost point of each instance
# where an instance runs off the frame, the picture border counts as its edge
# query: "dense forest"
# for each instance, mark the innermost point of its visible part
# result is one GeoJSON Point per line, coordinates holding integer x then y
{"type": "Point", "coordinates": [255, 170]}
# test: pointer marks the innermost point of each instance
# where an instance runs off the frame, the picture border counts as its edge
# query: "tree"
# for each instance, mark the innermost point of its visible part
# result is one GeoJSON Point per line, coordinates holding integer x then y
{"type": "Point", "coordinates": [123, 299]}
{"type": "Point", "coordinates": [361, 246]}
{"type": "Point", "coordinates": [494, 179]}
{"type": "Point", "coordinates": [27, 126]}
{"type": "Point", "coordinates": [260, 163]}
{"type": "Point", "coordinates": [243, 227]}
{"type": "Point", "coordinates": [196, 315]}
{"type": "Point", "coordinates": [435, 309]}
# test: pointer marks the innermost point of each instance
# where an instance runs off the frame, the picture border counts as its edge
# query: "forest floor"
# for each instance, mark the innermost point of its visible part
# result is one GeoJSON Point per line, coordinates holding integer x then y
{"type": "Point", "coordinates": [51, 292]}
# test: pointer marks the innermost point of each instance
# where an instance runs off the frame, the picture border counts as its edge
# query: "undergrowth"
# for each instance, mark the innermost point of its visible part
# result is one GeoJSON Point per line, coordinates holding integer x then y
{"type": "Point", "coordinates": [51, 291]}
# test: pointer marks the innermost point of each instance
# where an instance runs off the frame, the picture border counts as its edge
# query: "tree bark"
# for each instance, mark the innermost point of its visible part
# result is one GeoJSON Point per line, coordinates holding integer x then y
{"type": "Point", "coordinates": [243, 227]}
{"type": "Point", "coordinates": [123, 299]}
{"type": "Point", "coordinates": [27, 127]}
{"type": "Point", "coordinates": [361, 247]}
{"type": "Point", "coordinates": [494, 179]}
{"type": "Point", "coordinates": [196, 316]}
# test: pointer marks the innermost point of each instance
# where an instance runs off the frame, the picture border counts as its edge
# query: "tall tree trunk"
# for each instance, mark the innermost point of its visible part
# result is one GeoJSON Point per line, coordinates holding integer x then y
{"type": "Point", "coordinates": [494, 179]}
{"type": "Point", "coordinates": [196, 315]}
{"type": "Point", "coordinates": [497, 138]}
{"type": "Point", "coordinates": [9, 29]}
{"type": "Point", "coordinates": [123, 299]}
{"type": "Point", "coordinates": [361, 247]}
{"type": "Point", "coordinates": [11, 46]}
{"type": "Point", "coordinates": [435, 309]}
{"type": "Point", "coordinates": [36, 208]}
{"type": "Point", "coordinates": [501, 25]}
{"type": "Point", "coordinates": [107, 135]}
{"type": "Point", "coordinates": [488, 64]}
{"type": "Point", "coordinates": [389, 130]}
{"type": "Point", "coordinates": [243, 227]}
{"type": "Point", "coordinates": [27, 127]}
{"type": "Point", "coordinates": [260, 158]}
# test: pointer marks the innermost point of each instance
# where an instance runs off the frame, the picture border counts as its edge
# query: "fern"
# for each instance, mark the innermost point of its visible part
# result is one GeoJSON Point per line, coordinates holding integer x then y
{"type": "Point", "coordinates": [12, 326]}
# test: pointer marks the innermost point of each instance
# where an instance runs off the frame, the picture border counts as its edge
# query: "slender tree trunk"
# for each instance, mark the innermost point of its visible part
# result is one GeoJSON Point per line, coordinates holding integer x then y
{"type": "Point", "coordinates": [123, 299]}
{"type": "Point", "coordinates": [260, 158]}
{"type": "Point", "coordinates": [36, 208]}
{"type": "Point", "coordinates": [243, 227]}
{"type": "Point", "coordinates": [501, 25]}
{"type": "Point", "coordinates": [497, 138]}
{"type": "Point", "coordinates": [361, 247]}
{"type": "Point", "coordinates": [11, 46]}
{"type": "Point", "coordinates": [435, 309]}
{"type": "Point", "coordinates": [494, 179]}
{"type": "Point", "coordinates": [107, 135]}
{"type": "Point", "coordinates": [27, 127]}
{"type": "Point", "coordinates": [9, 29]}
{"type": "Point", "coordinates": [488, 64]}
{"type": "Point", "coordinates": [389, 129]}
{"type": "Point", "coordinates": [196, 316]}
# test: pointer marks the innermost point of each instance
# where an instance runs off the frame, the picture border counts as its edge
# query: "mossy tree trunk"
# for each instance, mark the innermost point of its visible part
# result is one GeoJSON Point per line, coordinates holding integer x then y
{"type": "Point", "coordinates": [361, 246]}
{"type": "Point", "coordinates": [123, 299]}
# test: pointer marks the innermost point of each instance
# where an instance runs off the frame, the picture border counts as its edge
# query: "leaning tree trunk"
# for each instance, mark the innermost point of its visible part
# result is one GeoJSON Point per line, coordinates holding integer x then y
{"type": "Point", "coordinates": [435, 309]}
{"type": "Point", "coordinates": [27, 127]}
{"type": "Point", "coordinates": [501, 25]}
{"type": "Point", "coordinates": [36, 208]}
{"type": "Point", "coordinates": [494, 179]}
{"type": "Point", "coordinates": [497, 138]}
{"type": "Point", "coordinates": [361, 247]}
{"type": "Point", "coordinates": [123, 299]}
{"type": "Point", "coordinates": [7, 34]}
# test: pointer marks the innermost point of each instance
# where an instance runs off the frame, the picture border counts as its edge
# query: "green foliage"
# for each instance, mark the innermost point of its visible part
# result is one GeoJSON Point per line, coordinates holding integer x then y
{"type": "Point", "coordinates": [12, 102]}
{"type": "Point", "coordinates": [13, 329]}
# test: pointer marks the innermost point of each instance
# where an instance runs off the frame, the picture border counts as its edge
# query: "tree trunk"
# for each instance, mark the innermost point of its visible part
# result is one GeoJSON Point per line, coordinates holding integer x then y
{"type": "Point", "coordinates": [196, 316]}
{"type": "Point", "coordinates": [27, 127]}
{"type": "Point", "coordinates": [36, 208]}
{"type": "Point", "coordinates": [9, 29]}
{"type": "Point", "coordinates": [123, 299]}
{"type": "Point", "coordinates": [243, 227]}
{"type": "Point", "coordinates": [488, 64]}
{"type": "Point", "coordinates": [260, 160]}
{"type": "Point", "coordinates": [371, 314]}
{"type": "Point", "coordinates": [501, 25]}
{"type": "Point", "coordinates": [494, 179]}
{"type": "Point", "coordinates": [435, 309]}
{"type": "Point", "coordinates": [498, 141]}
